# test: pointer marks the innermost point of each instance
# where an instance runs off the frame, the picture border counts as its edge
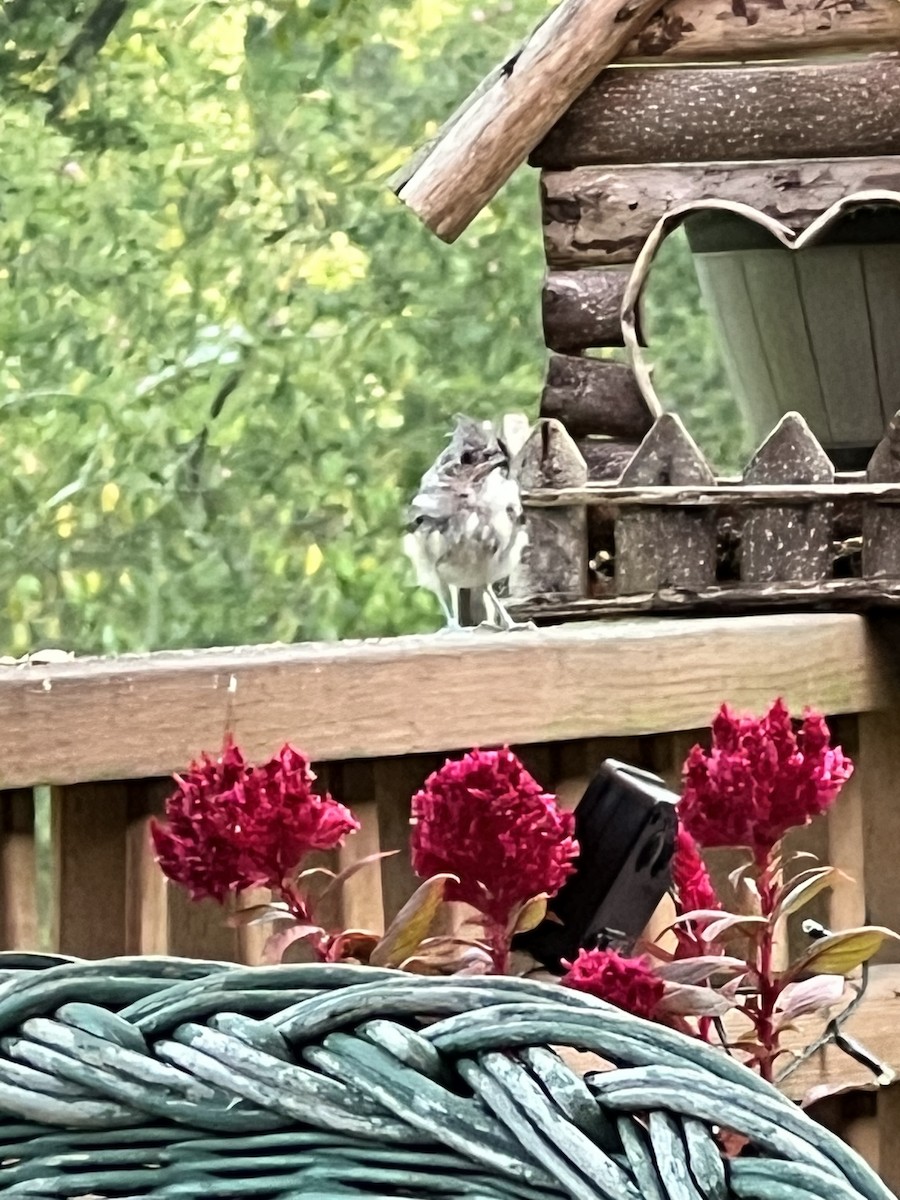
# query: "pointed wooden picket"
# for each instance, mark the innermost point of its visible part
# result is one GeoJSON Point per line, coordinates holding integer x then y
{"type": "Point", "coordinates": [881, 520]}
{"type": "Point", "coordinates": [666, 547]}
{"type": "Point", "coordinates": [788, 542]}
{"type": "Point", "coordinates": [555, 560]}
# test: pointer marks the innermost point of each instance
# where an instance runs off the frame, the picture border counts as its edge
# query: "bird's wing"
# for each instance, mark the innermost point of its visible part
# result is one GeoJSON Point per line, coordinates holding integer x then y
{"type": "Point", "coordinates": [437, 502]}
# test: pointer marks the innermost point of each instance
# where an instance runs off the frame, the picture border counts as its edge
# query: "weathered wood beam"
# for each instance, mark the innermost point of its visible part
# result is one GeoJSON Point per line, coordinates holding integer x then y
{"type": "Point", "coordinates": [721, 30]}
{"type": "Point", "coordinates": [595, 396]}
{"type": "Point", "coordinates": [582, 309]}
{"type": "Point", "coordinates": [598, 216]}
{"type": "Point", "coordinates": [450, 181]}
{"type": "Point", "coordinates": [814, 110]}
{"type": "Point", "coordinates": [142, 716]}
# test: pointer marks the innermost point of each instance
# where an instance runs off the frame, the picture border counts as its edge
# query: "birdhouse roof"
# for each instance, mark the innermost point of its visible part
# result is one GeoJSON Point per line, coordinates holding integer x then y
{"type": "Point", "coordinates": [452, 178]}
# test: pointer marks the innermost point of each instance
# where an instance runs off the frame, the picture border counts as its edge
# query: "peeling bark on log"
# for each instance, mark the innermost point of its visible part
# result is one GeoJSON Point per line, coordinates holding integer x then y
{"type": "Point", "coordinates": [451, 180]}
{"type": "Point", "coordinates": [659, 548]}
{"type": "Point", "coordinates": [599, 216]}
{"type": "Point", "coordinates": [556, 557]}
{"type": "Point", "coordinates": [594, 396]}
{"type": "Point", "coordinates": [704, 30]}
{"type": "Point", "coordinates": [881, 522]}
{"type": "Point", "coordinates": [582, 310]}
{"type": "Point", "coordinates": [788, 543]}
{"type": "Point", "coordinates": [821, 110]}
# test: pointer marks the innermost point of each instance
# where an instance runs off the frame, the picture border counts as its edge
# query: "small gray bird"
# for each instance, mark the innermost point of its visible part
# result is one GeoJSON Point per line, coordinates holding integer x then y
{"type": "Point", "coordinates": [466, 523]}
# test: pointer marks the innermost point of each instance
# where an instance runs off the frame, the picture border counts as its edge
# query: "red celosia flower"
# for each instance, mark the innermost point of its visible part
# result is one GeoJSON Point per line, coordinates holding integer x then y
{"type": "Point", "coordinates": [627, 983]}
{"type": "Point", "coordinates": [760, 779]}
{"type": "Point", "coordinates": [693, 890]}
{"type": "Point", "coordinates": [486, 820]}
{"type": "Point", "coordinates": [232, 826]}
{"type": "Point", "coordinates": [690, 878]}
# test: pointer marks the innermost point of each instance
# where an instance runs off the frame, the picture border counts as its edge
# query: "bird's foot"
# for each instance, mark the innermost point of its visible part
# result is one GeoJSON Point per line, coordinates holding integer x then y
{"type": "Point", "coordinates": [507, 626]}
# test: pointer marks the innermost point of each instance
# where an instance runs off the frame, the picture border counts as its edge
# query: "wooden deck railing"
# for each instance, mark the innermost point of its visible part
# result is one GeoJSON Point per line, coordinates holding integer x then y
{"type": "Point", "coordinates": [86, 747]}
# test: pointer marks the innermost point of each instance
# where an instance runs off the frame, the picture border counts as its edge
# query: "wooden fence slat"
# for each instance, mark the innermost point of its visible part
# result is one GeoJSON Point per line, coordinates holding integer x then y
{"type": "Point", "coordinates": [658, 548]}
{"type": "Point", "coordinates": [160, 917]}
{"type": "Point", "coordinates": [788, 542]}
{"type": "Point", "coordinates": [708, 114]}
{"type": "Point", "coordinates": [600, 216]}
{"type": "Point", "coordinates": [594, 396]}
{"type": "Point", "coordinates": [147, 898]}
{"type": "Point", "coordinates": [878, 769]}
{"type": "Point", "coordinates": [18, 881]}
{"type": "Point", "coordinates": [362, 900]}
{"type": "Point", "coordinates": [889, 1136]}
{"type": "Point", "coordinates": [846, 826]}
{"type": "Point", "coordinates": [396, 780]}
{"type": "Point", "coordinates": [555, 559]}
{"type": "Point", "coordinates": [693, 31]}
{"type": "Point", "coordinates": [582, 309]}
{"type": "Point", "coordinates": [89, 834]}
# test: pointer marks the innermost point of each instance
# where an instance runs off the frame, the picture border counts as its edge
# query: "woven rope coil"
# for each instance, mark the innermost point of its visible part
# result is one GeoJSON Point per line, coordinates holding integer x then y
{"type": "Point", "coordinates": [172, 1078]}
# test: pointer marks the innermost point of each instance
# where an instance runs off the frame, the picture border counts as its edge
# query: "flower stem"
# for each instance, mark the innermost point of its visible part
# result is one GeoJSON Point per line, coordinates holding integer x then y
{"type": "Point", "coordinates": [498, 943]}
{"type": "Point", "coordinates": [768, 987]}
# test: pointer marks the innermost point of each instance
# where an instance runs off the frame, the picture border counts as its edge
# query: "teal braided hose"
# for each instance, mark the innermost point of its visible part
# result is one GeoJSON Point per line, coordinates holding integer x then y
{"type": "Point", "coordinates": [162, 1077]}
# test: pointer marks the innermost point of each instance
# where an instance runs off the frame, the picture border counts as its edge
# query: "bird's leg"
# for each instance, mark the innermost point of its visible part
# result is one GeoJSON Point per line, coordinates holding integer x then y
{"type": "Point", "coordinates": [449, 598]}
{"type": "Point", "coordinates": [449, 602]}
{"type": "Point", "coordinates": [506, 620]}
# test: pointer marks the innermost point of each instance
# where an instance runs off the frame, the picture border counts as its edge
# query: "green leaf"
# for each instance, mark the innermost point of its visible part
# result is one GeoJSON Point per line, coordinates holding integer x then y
{"type": "Point", "coordinates": [841, 953]}
{"type": "Point", "coordinates": [529, 915]}
{"type": "Point", "coordinates": [686, 1000]}
{"type": "Point", "coordinates": [259, 914]}
{"type": "Point", "coordinates": [799, 891]}
{"type": "Point", "coordinates": [348, 872]}
{"type": "Point", "coordinates": [412, 924]}
{"type": "Point", "coordinates": [809, 996]}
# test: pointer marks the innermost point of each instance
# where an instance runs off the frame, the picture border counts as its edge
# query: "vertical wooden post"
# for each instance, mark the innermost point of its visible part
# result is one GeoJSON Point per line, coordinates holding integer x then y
{"type": "Point", "coordinates": [889, 1136]}
{"type": "Point", "coordinates": [18, 877]}
{"type": "Point", "coordinates": [847, 834]}
{"type": "Point", "coordinates": [396, 780]}
{"type": "Point", "coordinates": [878, 769]}
{"type": "Point", "coordinates": [556, 557]}
{"type": "Point", "coordinates": [160, 917]}
{"type": "Point", "coordinates": [881, 520]}
{"type": "Point", "coordinates": [362, 902]}
{"type": "Point", "coordinates": [663, 547]}
{"type": "Point", "coordinates": [793, 542]}
{"type": "Point", "coordinates": [88, 823]}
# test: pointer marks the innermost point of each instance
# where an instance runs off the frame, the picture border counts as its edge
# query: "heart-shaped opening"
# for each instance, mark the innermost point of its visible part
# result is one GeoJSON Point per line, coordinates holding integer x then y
{"type": "Point", "coordinates": [745, 320]}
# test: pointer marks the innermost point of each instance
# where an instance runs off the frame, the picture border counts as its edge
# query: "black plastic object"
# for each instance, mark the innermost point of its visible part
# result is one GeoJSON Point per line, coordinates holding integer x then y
{"type": "Point", "coordinates": [625, 825]}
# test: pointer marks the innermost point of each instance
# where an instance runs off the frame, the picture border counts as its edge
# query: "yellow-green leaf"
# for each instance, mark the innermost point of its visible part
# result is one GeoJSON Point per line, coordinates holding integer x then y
{"type": "Point", "coordinates": [530, 915]}
{"type": "Point", "coordinates": [314, 559]}
{"type": "Point", "coordinates": [412, 923]}
{"type": "Point", "coordinates": [841, 953]}
{"type": "Point", "coordinates": [799, 893]}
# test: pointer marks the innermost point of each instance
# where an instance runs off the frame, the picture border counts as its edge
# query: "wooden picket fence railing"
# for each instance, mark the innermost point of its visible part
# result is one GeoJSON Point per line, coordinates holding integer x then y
{"type": "Point", "coordinates": [666, 535]}
{"type": "Point", "coordinates": [88, 746]}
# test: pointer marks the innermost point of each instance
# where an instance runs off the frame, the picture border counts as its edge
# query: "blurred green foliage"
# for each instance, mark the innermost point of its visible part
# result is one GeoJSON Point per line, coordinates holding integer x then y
{"type": "Point", "coordinates": [226, 352]}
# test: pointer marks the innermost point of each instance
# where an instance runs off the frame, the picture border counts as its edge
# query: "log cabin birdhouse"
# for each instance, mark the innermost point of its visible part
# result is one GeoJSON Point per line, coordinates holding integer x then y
{"type": "Point", "coordinates": [770, 130]}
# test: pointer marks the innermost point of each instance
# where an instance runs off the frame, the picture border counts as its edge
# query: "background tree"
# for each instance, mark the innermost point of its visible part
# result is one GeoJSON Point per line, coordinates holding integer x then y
{"type": "Point", "coordinates": [226, 352]}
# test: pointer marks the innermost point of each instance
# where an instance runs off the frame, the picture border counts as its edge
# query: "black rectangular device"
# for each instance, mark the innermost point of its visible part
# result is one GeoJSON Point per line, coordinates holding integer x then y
{"type": "Point", "coordinates": [625, 825]}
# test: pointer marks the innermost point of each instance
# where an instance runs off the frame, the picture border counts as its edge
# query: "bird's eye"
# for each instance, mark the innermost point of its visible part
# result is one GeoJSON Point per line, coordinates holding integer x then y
{"type": "Point", "coordinates": [466, 458]}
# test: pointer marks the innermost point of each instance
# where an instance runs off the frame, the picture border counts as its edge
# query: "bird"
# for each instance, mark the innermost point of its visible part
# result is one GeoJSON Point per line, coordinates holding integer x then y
{"type": "Point", "coordinates": [466, 524]}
